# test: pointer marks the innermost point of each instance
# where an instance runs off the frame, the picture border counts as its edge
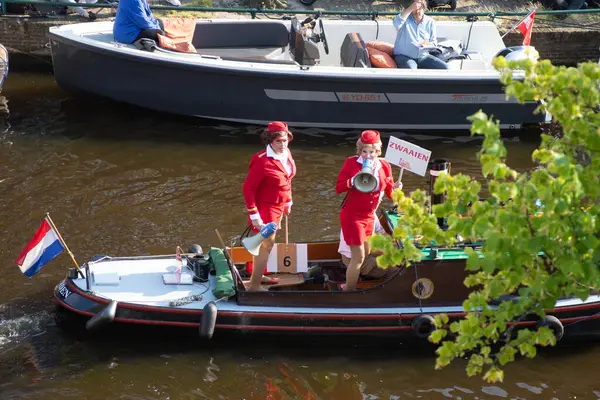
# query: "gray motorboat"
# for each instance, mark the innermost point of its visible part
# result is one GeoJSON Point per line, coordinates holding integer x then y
{"type": "Point", "coordinates": [256, 71]}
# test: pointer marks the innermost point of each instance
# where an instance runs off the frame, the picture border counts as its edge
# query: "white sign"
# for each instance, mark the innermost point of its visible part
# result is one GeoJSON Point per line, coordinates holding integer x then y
{"type": "Point", "coordinates": [407, 155]}
{"type": "Point", "coordinates": [288, 258]}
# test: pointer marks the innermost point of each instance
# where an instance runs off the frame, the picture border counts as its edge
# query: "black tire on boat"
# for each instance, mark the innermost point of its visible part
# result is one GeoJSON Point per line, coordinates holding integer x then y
{"type": "Point", "coordinates": [553, 323]}
{"type": "Point", "coordinates": [423, 325]}
{"type": "Point", "coordinates": [209, 320]}
{"type": "Point", "coordinates": [452, 5]}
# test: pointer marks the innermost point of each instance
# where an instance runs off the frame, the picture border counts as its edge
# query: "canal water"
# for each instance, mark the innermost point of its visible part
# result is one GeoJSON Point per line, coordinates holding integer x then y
{"type": "Point", "coordinates": [119, 180]}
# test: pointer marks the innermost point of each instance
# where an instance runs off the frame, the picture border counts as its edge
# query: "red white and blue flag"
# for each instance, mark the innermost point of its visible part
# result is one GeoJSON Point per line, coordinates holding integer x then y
{"type": "Point", "coordinates": [43, 247]}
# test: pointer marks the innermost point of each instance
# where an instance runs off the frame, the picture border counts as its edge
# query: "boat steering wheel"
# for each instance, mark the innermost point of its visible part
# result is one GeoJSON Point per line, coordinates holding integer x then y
{"type": "Point", "coordinates": [322, 37]}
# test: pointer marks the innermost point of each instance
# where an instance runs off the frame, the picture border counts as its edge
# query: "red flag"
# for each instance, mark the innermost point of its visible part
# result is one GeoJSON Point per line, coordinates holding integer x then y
{"type": "Point", "coordinates": [526, 26]}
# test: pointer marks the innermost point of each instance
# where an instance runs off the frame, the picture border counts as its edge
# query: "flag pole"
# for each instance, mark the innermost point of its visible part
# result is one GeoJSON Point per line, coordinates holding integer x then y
{"type": "Point", "coordinates": [62, 240]}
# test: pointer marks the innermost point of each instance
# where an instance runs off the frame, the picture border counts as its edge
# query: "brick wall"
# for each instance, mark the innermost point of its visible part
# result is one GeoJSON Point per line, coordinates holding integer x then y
{"type": "Point", "coordinates": [562, 48]}
{"type": "Point", "coordinates": [29, 36]}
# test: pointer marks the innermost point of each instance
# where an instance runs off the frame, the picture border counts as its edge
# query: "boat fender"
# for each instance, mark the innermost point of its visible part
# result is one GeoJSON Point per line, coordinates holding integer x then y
{"type": "Point", "coordinates": [553, 323]}
{"type": "Point", "coordinates": [423, 325]}
{"type": "Point", "coordinates": [103, 318]}
{"type": "Point", "coordinates": [209, 320]}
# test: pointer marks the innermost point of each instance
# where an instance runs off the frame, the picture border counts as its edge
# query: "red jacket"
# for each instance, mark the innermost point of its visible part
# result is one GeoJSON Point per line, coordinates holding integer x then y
{"type": "Point", "coordinates": [267, 182]}
{"type": "Point", "coordinates": [359, 202]}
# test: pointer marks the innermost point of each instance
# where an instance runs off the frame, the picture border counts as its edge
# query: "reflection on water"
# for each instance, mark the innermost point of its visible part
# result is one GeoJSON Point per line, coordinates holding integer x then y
{"type": "Point", "coordinates": [119, 180]}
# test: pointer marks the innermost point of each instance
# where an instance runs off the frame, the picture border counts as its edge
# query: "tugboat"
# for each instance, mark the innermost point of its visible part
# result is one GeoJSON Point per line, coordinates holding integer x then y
{"type": "Point", "coordinates": [205, 291]}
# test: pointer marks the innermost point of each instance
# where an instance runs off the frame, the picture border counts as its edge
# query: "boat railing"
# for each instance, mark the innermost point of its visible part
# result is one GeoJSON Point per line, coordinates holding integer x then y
{"type": "Point", "coordinates": [254, 12]}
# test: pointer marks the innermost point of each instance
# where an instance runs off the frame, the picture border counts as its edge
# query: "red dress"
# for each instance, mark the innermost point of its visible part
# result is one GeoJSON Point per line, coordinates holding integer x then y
{"type": "Point", "coordinates": [267, 188]}
{"type": "Point", "coordinates": [358, 210]}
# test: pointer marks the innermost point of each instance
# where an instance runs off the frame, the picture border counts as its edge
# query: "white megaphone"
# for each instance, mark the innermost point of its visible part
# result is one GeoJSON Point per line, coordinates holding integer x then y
{"type": "Point", "coordinates": [252, 243]}
{"type": "Point", "coordinates": [365, 180]}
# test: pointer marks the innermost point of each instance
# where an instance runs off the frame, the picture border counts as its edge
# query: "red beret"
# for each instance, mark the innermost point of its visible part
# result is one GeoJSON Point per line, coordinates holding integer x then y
{"type": "Point", "coordinates": [277, 126]}
{"type": "Point", "coordinates": [369, 137]}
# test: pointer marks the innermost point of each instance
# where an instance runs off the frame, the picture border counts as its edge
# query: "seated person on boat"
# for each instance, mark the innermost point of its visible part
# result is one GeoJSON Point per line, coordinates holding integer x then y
{"type": "Point", "coordinates": [268, 190]}
{"type": "Point", "coordinates": [369, 267]}
{"type": "Point", "coordinates": [416, 32]}
{"type": "Point", "coordinates": [134, 21]}
{"type": "Point", "coordinates": [357, 214]}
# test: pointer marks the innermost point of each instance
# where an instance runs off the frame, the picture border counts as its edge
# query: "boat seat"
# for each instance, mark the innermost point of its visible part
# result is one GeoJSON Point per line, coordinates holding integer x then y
{"type": "Point", "coordinates": [473, 62]}
{"type": "Point", "coordinates": [218, 34]}
{"type": "Point", "coordinates": [353, 52]}
{"type": "Point", "coordinates": [261, 52]}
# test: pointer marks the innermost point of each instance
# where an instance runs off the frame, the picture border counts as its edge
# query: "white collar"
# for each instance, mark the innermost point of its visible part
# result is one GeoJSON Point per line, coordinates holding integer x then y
{"type": "Point", "coordinates": [360, 160]}
{"type": "Point", "coordinates": [280, 157]}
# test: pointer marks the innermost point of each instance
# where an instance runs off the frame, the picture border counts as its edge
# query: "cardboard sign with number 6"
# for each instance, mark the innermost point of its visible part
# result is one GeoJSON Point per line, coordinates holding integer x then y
{"type": "Point", "coordinates": [288, 258]}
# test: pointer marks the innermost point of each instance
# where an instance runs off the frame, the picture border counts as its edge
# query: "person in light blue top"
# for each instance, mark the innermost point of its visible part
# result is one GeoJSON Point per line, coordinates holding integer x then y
{"type": "Point", "coordinates": [134, 21]}
{"type": "Point", "coordinates": [416, 33]}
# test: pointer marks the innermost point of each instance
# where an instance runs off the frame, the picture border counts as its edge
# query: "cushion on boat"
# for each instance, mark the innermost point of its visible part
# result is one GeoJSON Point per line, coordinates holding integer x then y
{"type": "Point", "coordinates": [381, 59]}
{"type": "Point", "coordinates": [224, 286]}
{"type": "Point", "coordinates": [381, 46]}
{"type": "Point", "coordinates": [178, 34]}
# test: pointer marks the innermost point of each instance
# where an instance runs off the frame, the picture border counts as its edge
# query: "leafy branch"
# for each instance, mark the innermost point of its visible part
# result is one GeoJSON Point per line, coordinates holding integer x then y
{"type": "Point", "coordinates": [540, 228]}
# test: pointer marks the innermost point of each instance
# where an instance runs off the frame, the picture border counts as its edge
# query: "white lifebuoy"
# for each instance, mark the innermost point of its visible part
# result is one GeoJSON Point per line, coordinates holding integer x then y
{"type": "Point", "coordinates": [423, 325]}
{"type": "Point", "coordinates": [553, 323]}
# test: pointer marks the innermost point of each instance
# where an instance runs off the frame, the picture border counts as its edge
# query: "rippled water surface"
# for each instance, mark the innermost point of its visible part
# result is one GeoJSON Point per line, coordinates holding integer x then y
{"type": "Point", "coordinates": [119, 180]}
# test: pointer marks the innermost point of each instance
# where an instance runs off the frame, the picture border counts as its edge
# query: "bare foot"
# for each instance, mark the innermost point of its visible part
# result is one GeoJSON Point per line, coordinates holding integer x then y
{"type": "Point", "coordinates": [268, 280]}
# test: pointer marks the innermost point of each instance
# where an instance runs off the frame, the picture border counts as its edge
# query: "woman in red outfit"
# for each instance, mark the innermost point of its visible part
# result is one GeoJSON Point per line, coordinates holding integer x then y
{"type": "Point", "coordinates": [268, 190]}
{"type": "Point", "coordinates": [357, 215]}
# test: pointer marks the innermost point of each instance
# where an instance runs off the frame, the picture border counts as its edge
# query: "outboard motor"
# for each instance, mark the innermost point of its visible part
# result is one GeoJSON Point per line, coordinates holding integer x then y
{"type": "Point", "coordinates": [437, 167]}
{"type": "Point", "coordinates": [516, 53]}
{"type": "Point", "coordinates": [199, 263]}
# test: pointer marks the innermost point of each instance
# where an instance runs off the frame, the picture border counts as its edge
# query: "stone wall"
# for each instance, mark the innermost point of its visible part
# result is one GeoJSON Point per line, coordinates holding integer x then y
{"type": "Point", "coordinates": [26, 40]}
{"type": "Point", "coordinates": [26, 37]}
{"type": "Point", "coordinates": [29, 35]}
{"type": "Point", "coordinates": [562, 48]}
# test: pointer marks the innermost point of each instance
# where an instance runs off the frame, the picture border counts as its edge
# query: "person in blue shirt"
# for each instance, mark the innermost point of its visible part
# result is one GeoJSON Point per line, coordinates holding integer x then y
{"type": "Point", "coordinates": [134, 21]}
{"type": "Point", "coordinates": [416, 33]}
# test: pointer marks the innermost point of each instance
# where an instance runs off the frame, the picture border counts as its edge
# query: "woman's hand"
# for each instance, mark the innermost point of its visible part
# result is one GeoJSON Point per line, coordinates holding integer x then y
{"type": "Point", "coordinates": [257, 223]}
{"type": "Point", "coordinates": [398, 185]}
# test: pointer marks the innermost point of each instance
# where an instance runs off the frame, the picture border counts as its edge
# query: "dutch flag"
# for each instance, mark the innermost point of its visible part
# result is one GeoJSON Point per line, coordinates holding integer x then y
{"type": "Point", "coordinates": [43, 247]}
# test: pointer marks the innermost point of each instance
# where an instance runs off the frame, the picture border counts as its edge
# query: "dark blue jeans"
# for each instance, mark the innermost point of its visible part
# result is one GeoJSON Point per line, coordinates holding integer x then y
{"type": "Point", "coordinates": [427, 62]}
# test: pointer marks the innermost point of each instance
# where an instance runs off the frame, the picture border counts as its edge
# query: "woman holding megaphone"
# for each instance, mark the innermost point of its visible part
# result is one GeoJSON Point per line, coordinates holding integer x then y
{"type": "Point", "coordinates": [365, 177]}
{"type": "Point", "coordinates": [268, 191]}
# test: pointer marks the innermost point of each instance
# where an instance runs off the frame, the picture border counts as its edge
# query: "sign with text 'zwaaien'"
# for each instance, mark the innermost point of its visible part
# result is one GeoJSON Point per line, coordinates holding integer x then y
{"type": "Point", "coordinates": [408, 156]}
